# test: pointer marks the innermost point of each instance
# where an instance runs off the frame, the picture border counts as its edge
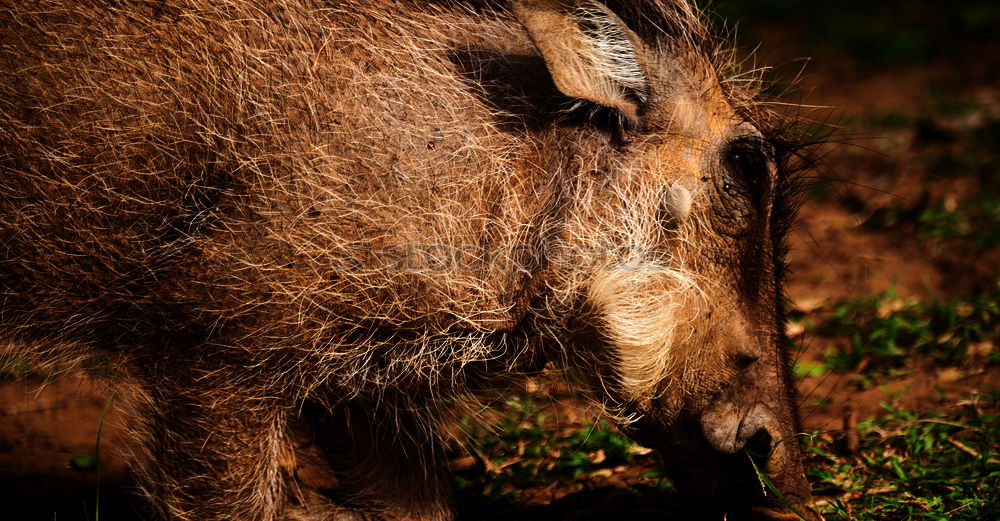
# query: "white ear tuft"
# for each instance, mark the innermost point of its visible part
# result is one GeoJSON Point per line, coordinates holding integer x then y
{"type": "Point", "coordinates": [588, 50]}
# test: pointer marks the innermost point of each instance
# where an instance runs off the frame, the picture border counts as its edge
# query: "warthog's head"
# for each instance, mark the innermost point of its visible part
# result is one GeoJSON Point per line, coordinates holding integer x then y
{"type": "Point", "coordinates": [670, 258]}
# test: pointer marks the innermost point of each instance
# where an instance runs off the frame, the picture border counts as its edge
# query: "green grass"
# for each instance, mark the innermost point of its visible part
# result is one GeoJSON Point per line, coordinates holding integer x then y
{"type": "Point", "coordinates": [977, 222]}
{"type": "Point", "coordinates": [520, 451]}
{"type": "Point", "coordinates": [907, 465]}
{"type": "Point", "coordinates": [13, 368]}
{"type": "Point", "coordinates": [932, 466]}
{"type": "Point", "coordinates": [903, 464]}
{"type": "Point", "coordinates": [882, 333]}
{"type": "Point", "coordinates": [803, 369]}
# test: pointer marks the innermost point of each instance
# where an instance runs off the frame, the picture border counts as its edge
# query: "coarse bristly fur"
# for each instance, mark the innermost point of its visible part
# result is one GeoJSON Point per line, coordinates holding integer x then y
{"type": "Point", "coordinates": [242, 213]}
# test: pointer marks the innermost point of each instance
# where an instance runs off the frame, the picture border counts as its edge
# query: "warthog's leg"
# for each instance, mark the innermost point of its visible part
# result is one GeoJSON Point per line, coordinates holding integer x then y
{"type": "Point", "coordinates": [213, 451]}
{"type": "Point", "coordinates": [389, 464]}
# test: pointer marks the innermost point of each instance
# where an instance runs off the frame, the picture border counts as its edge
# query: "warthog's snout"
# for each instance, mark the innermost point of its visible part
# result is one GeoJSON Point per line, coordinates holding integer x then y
{"type": "Point", "coordinates": [728, 431]}
{"type": "Point", "coordinates": [735, 452]}
{"type": "Point", "coordinates": [761, 448]}
{"type": "Point", "coordinates": [748, 445]}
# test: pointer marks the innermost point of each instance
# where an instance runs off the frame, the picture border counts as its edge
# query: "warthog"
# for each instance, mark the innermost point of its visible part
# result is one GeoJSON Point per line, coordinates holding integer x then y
{"type": "Point", "coordinates": [345, 214]}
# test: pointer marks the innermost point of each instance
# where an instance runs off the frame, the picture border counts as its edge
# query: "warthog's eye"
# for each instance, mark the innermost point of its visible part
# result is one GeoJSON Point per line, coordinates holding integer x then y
{"type": "Point", "coordinates": [743, 181]}
{"type": "Point", "coordinates": [748, 169]}
{"type": "Point", "coordinates": [612, 121]}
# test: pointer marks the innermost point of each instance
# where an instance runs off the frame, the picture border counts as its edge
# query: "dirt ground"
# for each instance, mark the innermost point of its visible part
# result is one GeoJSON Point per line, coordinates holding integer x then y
{"type": "Point", "coordinates": [833, 257]}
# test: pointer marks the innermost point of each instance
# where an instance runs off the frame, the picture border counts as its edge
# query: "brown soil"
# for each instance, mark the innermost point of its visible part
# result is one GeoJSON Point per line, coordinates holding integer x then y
{"type": "Point", "coordinates": [833, 259]}
{"type": "Point", "coordinates": [43, 428]}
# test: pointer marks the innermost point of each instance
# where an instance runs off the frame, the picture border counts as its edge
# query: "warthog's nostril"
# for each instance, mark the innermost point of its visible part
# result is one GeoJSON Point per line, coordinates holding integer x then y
{"type": "Point", "coordinates": [759, 445]}
{"type": "Point", "coordinates": [754, 432]}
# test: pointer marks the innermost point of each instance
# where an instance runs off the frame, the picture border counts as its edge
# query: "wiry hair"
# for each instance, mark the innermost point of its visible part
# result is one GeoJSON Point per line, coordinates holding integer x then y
{"type": "Point", "coordinates": [245, 210]}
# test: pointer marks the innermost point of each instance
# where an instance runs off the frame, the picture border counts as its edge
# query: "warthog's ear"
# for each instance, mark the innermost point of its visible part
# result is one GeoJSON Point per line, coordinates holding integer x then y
{"type": "Point", "coordinates": [590, 53]}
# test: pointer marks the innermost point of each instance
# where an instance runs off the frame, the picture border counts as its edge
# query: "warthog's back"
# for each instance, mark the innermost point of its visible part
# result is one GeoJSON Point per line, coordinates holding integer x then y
{"type": "Point", "coordinates": [196, 164]}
